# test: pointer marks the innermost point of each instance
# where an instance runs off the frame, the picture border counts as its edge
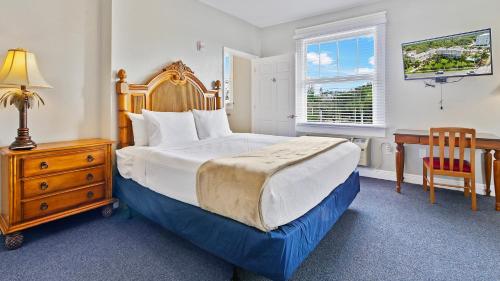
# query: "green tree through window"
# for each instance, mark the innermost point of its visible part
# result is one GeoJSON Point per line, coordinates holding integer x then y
{"type": "Point", "coordinates": [353, 105]}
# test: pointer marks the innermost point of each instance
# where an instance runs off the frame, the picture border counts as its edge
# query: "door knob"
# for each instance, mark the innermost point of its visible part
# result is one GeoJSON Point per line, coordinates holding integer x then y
{"type": "Point", "coordinates": [274, 79]}
{"type": "Point", "coordinates": [291, 116]}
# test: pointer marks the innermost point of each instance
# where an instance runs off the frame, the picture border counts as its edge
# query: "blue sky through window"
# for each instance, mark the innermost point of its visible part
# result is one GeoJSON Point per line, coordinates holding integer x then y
{"type": "Point", "coordinates": [348, 52]}
{"type": "Point", "coordinates": [344, 57]}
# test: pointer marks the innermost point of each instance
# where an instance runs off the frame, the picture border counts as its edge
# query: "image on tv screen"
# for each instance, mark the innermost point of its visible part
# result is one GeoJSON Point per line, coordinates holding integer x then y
{"type": "Point", "coordinates": [465, 54]}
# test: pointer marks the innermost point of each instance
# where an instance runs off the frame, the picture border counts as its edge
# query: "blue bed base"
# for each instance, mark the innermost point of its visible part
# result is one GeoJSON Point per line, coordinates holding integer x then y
{"type": "Point", "coordinates": [275, 255]}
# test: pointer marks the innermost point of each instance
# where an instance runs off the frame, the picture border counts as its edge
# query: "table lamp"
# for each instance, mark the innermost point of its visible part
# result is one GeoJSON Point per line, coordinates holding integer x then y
{"type": "Point", "coordinates": [18, 73]}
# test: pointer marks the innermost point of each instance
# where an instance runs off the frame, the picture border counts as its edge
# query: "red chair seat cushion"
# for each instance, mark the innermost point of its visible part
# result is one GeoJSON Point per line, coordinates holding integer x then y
{"type": "Point", "coordinates": [456, 164]}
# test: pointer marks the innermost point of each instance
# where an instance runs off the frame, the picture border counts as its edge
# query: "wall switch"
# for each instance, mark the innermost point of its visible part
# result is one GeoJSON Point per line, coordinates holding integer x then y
{"type": "Point", "coordinates": [200, 46]}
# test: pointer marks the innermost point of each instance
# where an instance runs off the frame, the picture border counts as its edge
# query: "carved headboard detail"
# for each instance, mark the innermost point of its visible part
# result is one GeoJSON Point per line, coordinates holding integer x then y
{"type": "Point", "coordinates": [174, 89]}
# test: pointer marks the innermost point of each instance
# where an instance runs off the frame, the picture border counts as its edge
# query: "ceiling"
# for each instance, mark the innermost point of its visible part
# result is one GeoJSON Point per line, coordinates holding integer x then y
{"type": "Point", "coordinates": [264, 13]}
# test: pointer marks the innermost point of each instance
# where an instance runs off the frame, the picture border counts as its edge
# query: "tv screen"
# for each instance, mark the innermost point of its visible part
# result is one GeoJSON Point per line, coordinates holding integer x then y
{"type": "Point", "coordinates": [459, 55]}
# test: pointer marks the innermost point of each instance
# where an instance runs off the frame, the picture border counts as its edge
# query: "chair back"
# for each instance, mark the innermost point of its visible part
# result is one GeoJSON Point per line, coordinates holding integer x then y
{"type": "Point", "coordinates": [452, 137]}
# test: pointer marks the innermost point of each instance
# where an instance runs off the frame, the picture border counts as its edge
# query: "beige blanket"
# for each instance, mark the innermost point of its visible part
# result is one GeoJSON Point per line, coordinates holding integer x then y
{"type": "Point", "coordinates": [232, 187]}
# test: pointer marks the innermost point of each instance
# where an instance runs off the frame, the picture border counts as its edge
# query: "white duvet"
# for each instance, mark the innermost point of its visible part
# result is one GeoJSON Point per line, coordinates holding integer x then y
{"type": "Point", "coordinates": [288, 194]}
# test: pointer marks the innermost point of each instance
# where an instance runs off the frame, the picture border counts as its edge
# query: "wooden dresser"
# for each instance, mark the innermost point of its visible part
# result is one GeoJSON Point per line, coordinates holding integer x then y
{"type": "Point", "coordinates": [53, 181]}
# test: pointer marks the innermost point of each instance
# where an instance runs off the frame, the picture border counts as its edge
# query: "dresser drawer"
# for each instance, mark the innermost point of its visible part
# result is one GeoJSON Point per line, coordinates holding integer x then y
{"type": "Point", "coordinates": [48, 184]}
{"type": "Point", "coordinates": [57, 203]}
{"type": "Point", "coordinates": [62, 162]}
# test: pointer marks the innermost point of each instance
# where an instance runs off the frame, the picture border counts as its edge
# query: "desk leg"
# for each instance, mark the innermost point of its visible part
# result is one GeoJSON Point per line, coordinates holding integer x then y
{"type": "Point", "coordinates": [487, 170]}
{"type": "Point", "coordinates": [496, 173]}
{"type": "Point", "coordinates": [400, 165]}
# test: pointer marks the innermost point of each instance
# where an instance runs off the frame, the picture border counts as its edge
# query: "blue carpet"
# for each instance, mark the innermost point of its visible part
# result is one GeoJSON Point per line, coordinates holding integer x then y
{"type": "Point", "coordinates": [383, 236]}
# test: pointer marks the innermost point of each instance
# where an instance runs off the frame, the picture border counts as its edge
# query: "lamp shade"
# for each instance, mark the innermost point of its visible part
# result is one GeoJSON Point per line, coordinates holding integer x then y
{"type": "Point", "coordinates": [20, 69]}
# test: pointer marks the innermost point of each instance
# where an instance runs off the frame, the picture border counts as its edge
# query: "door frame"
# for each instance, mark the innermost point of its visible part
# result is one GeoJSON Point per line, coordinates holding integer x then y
{"type": "Point", "coordinates": [238, 53]}
{"type": "Point", "coordinates": [289, 57]}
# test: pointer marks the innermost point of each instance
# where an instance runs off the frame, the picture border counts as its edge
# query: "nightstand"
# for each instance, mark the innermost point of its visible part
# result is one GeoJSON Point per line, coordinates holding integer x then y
{"type": "Point", "coordinates": [53, 181]}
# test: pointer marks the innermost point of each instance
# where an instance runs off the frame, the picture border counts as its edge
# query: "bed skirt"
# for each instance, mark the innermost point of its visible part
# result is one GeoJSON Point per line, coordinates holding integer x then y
{"type": "Point", "coordinates": [275, 255]}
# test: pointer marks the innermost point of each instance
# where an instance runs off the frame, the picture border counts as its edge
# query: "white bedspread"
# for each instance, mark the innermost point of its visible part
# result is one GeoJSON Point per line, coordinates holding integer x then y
{"type": "Point", "coordinates": [288, 194]}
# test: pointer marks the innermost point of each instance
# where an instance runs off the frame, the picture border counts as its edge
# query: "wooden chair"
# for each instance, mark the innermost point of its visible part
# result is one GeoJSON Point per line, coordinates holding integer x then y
{"type": "Point", "coordinates": [450, 166]}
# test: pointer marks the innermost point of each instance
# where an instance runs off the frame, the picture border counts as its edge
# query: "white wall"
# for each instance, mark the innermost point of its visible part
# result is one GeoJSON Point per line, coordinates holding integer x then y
{"type": "Point", "coordinates": [474, 102]}
{"type": "Point", "coordinates": [81, 43]}
{"type": "Point", "coordinates": [65, 36]}
{"type": "Point", "coordinates": [147, 35]}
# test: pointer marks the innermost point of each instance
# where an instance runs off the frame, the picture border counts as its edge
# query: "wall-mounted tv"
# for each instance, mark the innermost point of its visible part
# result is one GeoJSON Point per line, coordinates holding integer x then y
{"type": "Point", "coordinates": [459, 55]}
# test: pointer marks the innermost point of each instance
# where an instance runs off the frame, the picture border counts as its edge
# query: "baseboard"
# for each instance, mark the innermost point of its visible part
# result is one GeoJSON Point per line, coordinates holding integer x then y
{"type": "Point", "coordinates": [417, 179]}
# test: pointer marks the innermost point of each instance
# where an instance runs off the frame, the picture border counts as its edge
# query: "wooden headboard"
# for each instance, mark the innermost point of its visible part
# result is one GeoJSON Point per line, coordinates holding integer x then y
{"type": "Point", "coordinates": [174, 89]}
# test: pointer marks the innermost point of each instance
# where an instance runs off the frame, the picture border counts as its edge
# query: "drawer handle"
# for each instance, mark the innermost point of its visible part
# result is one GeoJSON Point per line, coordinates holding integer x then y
{"type": "Point", "coordinates": [90, 158]}
{"type": "Point", "coordinates": [44, 185]}
{"type": "Point", "coordinates": [44, 206]}
{"type": "Point", "coordinates": [90, 194]}
{"type": "Point", "coordinates": [90, 177]}
{"type": "Point", "coordinates": [44, 165]}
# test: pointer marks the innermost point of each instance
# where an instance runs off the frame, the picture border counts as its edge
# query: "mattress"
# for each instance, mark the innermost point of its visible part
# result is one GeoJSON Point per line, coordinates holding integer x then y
{"type": "Point", "coordinates": [287, 195]}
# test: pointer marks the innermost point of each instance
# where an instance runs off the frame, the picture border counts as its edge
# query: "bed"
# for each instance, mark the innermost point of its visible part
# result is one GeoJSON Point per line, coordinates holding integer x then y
{"type": "Point", "coordinates": [160, 182]}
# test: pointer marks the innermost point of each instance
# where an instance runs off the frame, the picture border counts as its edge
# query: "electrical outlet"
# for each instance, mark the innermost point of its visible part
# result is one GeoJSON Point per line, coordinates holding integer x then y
{"type": "Point", "coordinates": [422, 152]}
{"type": "Point", "coordinates": [387, 148]}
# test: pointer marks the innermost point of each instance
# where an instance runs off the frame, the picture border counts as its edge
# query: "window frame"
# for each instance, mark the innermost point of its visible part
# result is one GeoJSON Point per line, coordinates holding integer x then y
{"type": "Point", "coordinates": [232, 53]}
{"type": "Point", "coordinates": [350, 28]}
{"type": "Point", "coordinates": [225, 89]}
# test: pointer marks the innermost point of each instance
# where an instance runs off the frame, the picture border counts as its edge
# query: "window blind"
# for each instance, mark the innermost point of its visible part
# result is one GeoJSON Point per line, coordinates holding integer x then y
{"type": "Point", "coordinates": [340, 75]}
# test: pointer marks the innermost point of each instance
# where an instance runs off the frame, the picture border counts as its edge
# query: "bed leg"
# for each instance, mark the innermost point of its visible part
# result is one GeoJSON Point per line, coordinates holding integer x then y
{"type": "Point", "coordinates": [131, 213]}
{"type": "Point", "coordinates": [128, 213]}
{"type": "Point", "coordinates": [236, 276]}
{"type": "Point", "coordinates": [125, 211]}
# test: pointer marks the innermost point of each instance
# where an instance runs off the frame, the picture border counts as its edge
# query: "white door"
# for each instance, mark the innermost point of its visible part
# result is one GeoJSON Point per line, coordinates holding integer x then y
{"type": "Point", "coordinates": [273, 99]}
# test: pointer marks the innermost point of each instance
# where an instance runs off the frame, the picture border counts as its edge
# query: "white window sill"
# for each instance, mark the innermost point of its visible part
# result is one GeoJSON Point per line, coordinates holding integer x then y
{"type": "Point", "coordinates": [339, 129]}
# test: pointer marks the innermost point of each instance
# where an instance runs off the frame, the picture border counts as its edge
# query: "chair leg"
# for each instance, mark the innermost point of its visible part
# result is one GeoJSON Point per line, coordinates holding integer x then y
{"type": "Point", "coordinates": [466, 187]}
{"type": "Point", "coordinates": [473, 194]}
{"type": "Point", "coordinates": [432, 194]}
{"type": "Point", "coordinates": [424, 177]}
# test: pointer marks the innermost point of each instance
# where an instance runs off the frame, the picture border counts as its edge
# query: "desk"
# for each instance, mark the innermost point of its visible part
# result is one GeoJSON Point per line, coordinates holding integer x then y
{"type": "Point", "coordinates": [486, 142]}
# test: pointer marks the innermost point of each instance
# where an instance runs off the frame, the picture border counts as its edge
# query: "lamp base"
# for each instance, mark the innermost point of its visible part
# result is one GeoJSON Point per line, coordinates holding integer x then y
{"type": "Point", "coordinates": [22, 143]}
{"type": "Point", "coordinates": [23, 140]}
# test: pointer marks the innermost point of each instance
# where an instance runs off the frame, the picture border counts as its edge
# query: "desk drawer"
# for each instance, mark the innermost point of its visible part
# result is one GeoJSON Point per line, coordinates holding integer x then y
{"type": "Point", "coordinates": [49, 184]}
{"type": "Point", "coordinates": [57, 203]}
{"type": "Point", "coordinates": [62, 162]}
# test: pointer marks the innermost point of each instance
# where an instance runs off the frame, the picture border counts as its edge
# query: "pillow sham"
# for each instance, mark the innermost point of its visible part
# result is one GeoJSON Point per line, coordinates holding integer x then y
{"type": "Point", "coordinates": [211, 123]}
{"type": "Point", "coordinates": [139, 129]}
{"type": "Point", "coordinates": [170, 128]}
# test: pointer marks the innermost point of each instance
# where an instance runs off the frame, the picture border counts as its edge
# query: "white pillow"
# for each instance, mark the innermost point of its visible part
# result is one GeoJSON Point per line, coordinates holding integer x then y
{"type": "Point", "coordinates": [170, 128]}
{"type": "Point", "coordinates": [211, 123]}
{"type": "Point", "coordinates": [139, 129]}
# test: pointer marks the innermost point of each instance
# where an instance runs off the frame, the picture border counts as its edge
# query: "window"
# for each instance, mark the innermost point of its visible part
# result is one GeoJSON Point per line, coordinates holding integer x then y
{"type": "Point", "coordinates": [339, 78]}
{"type": "Point", "coordinates": [228, 78]}
{"type": "Point", "coordinates": [340, 74]}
